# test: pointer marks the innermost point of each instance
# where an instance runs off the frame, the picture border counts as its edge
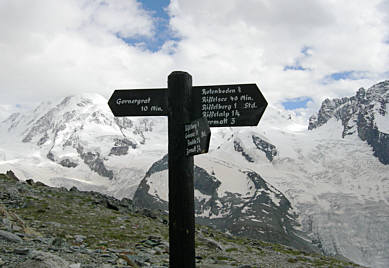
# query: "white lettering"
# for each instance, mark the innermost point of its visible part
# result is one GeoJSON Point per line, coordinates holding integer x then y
{"type": "Point", "coordinates": [133, 101]}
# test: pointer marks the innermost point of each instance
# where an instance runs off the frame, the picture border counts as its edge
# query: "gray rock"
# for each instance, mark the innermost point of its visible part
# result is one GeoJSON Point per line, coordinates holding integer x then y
{"type": "Point", "coordinates": [79, 238]}
{"type": "Point", "coordinates": [10, 174]}
{"type": "Point", "coordinates": [95, 162]}
{"type": "Point", "coordinates": [214, 266]}
{"type": "Point", "coordinates": [68, 163]}
{"type": "Point", "coordinates": [213, 244]}
{"type": "Point", "coordinates": [4, 235]}
{"type": "Point", "coordinates": [40, 259]}
{"type": "Point", "coordinates": [269, 149]}
{"type": "Point", "coordinates": [238, 147]}
{"type": "Point", "coordinates": [58, 242]}
{"type": "Point", "coordinates": [137, 259]}
{"type": "Point", "coordinates": [22, 251]}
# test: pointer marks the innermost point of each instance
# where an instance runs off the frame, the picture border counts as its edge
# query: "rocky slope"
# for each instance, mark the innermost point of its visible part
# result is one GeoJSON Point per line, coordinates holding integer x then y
{"type": "Point", "coordinates": [42, 226]}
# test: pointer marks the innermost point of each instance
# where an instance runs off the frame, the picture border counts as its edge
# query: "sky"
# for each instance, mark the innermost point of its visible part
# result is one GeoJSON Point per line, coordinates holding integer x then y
{"type": "Point", "coordinates": [298, 52]}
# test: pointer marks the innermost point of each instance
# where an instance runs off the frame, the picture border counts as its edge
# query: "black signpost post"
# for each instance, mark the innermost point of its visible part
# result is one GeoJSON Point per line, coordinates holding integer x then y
{"type": "Point", "coordinates": [181, 170]}
{"type": "Point", "coordinates": [191, 111]}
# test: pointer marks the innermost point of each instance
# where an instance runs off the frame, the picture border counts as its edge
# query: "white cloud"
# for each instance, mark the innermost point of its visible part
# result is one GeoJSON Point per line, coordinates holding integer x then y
{"type": "Point", "coordinates": [255, 40]}
{"type": "Point", "coordinates": [56, 48]}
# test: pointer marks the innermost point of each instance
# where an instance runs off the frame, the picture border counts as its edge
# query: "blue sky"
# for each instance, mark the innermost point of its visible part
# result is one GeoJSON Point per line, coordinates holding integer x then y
{"type": "Point", "coordinates": [297, 58]}
{"type": "Point", "coordinates": [296, 103]}
{"type": "Point", "coordinates": [162, 32]}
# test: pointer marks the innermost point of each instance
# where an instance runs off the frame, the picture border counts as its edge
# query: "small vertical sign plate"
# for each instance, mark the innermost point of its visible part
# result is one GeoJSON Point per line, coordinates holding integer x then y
{"type": "Point", "coordinates": [197, 136]}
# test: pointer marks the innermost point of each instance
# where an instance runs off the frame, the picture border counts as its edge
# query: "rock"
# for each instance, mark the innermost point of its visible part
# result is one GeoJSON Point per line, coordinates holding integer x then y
{"type": "Point", "coordinates": [106, 265]}
{"type": "Point", "coordinates": [4, 235]}
{"type": "Point", "coordinates": [269, 149]}
{"type": "Point", "coordinates": [7, 223]}
{"type": "Point", "coordinates": [79, 238]}
{"type": "Point", "coordinates": [111, 205]}
{"type": "Point", "coordinates": [148, 213]}
{"type": "Point", "coordinates": [127, 203]}
{"type": "Point", "coordinates": [212, 244]}
{"type": "Point", "coordinates": [136, 259]}
{"type": "Point", "coordinates": [214, 266]}
{"type": "Point", "coordinates": [40, 259]}
{"type": "Point", "coordinates": [238, 147]}
{"type": "Point", "coordinates": [39, 183]}
{"type": "Point", "coordinates": [95, 162]}
{"type": "Point", "coordinates": [57, 242]}
{"type": "Point", "coordinates": [129, 260]}
{"type": "Point", "coordinates": [16, 228]}
{"type": "Point", "coordinates": [68, 163]}
{"type": "Point", "coordinates": [74, 189]}
{"type": "Point", "coordinates": [10, 174]}
{"type": "Point", "coordinates": [22, 251]}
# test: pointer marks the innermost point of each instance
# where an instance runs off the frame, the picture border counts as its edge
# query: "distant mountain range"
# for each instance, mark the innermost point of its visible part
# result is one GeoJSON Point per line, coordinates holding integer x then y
{"type": "Point", "coordinates": [325, 188]}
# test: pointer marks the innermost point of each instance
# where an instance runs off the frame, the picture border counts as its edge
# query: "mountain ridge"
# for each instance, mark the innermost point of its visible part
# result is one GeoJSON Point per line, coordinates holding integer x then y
{"type": "Point", "coordinates": [359, 115]}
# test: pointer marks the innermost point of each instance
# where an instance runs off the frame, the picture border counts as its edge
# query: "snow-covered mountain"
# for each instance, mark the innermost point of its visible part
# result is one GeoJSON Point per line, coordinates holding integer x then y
{"type": "Point", "coordinates": [79, 142]}
{"type": "Point", "coordinates": [364, 114]}
{"type": "Point", "coordinates": [332, 179]}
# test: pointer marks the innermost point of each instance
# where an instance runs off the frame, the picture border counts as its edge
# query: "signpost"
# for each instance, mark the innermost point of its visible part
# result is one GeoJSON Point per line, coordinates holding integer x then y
{"type": "Point", "coordinates": [191, 111]}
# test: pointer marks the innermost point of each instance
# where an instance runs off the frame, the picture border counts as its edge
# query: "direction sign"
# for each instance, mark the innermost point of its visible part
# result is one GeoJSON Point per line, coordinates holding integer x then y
{"type": "Point", "coordinates": [139, 102]}
{"type": "Point", "coordinates": [197, 136]}
{"type": "Point", "coordinates": [229, 105]}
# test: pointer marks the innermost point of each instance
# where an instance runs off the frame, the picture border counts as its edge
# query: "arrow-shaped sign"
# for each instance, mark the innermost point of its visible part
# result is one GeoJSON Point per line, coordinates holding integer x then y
{"type": "Point", "coordinates": [229, 105]}
{"type": "Point", "coordinates": [139, 102]}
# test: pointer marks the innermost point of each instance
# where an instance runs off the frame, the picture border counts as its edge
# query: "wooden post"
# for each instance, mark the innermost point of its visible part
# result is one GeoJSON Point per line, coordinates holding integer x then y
{"type": "Point", "coordinates": [181, 190]}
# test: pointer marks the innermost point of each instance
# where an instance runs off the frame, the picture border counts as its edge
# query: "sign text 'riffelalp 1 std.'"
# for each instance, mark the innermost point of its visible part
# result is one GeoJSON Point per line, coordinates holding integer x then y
{"type": "Point", "coordinates": [191, 111]}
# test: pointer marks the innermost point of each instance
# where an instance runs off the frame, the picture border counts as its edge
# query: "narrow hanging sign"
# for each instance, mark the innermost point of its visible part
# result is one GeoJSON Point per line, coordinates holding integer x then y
{"type": "Point", "coordinates": [197, 136]}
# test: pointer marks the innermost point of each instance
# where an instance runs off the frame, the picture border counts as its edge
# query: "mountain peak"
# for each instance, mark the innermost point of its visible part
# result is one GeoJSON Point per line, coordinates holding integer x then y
{"type": "Point", "coordinates": [81, 101]}
{"type": "Point", "coordinates": [365, 114]}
